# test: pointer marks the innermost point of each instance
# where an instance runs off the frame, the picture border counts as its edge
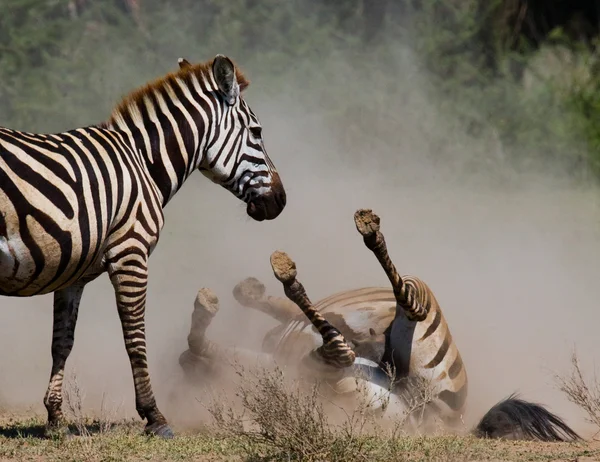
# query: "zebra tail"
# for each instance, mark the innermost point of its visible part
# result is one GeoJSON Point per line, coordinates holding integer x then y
{"type": "Point", "coordinates": [516, 419]}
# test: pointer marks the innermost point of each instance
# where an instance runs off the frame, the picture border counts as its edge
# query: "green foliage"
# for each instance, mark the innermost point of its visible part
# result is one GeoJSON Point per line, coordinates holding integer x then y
{"type": "Point", "coordinates": [62, 67]}
{"type": "Point", "coordinates": [582, 97]}
{"type": "Point", "coordinates": [536, 116]}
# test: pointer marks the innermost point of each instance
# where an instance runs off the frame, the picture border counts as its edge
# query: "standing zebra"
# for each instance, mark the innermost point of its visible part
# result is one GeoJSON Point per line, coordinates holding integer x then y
{"type": "Point", "coordinates": [76, 204]}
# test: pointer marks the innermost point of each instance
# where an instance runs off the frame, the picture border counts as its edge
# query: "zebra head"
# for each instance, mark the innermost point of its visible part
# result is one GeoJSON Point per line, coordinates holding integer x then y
{"type": "Point", "coordinates": [235, 156]}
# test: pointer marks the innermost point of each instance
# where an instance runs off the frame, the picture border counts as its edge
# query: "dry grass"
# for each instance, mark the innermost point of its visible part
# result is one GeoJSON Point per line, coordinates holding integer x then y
{"type": "Point", "coordinates": [20, 439]}
{"type": "Point", "coordinates": [584, 394]}
{"type": "Point", "coordinates": [272, 414]}
{"type": "Point", "coordinates": [275, 418]}
{"type": "Point", "coordinates": [292, 417]}
{"type": "Point", "coordinates": [74, 396]}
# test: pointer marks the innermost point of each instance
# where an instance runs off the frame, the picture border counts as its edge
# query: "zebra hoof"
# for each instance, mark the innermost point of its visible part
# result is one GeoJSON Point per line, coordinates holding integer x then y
{"type": "Point", "coordinates": [207, 304]}
{"type": "Point", "coordinates": [162, 430]}
{"type": "Point", "coordinates": [367, 223]}
{"type": "Point", "coordinates": [283, 266]}
{"type": "Point", "coordinates": [249, 291]}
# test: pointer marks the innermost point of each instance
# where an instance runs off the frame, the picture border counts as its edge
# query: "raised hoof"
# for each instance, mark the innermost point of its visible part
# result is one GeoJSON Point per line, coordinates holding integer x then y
{"type": "Point", "coordinates": [249, 291]}
{"type": "Point", "coordinates": [206, 303]}
{"type": "Point", "coordinates": [162, 430]}
{"type": "Point", "coordinates": [283, 267]}
{"type": "Point", "coordinates": [367, 223]}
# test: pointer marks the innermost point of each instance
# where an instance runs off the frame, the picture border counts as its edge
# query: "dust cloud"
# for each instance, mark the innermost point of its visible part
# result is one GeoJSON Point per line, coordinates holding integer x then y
{"type": "Point", "coordinates": [514, 266]}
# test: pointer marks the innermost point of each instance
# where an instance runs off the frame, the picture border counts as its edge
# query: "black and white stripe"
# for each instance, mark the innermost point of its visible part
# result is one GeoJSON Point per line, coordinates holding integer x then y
{"type": "Point", "coordinates": [365, 317]}
{"type": "Point", "coordinates": [400, 330]}
{"type": "Point", "coordinates": [87, 201]}
{"type": "Point", "coordinates": [375, 327]}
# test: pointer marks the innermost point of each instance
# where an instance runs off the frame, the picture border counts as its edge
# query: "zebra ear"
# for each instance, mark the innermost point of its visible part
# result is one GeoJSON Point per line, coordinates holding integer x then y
{"type": "Point", "coordinates": [183, 63]}
{"type": "Point", "coordinates": [224, 73]}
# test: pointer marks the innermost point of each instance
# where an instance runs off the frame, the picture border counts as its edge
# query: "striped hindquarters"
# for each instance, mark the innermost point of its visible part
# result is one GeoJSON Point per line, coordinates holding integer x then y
{"type": "Point", "coordinates": [435, 357]}
{"type": "Point", "coordinates": [61, 195]}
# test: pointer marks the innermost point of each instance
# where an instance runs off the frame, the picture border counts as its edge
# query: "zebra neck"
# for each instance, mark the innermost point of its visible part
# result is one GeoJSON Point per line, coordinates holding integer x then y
{"type": "Point", "coordinates": [168, 124]}
{"type": "Point", "coordinates": [169, 153]}
{"type": "Point", "coordinates": [171, 160]}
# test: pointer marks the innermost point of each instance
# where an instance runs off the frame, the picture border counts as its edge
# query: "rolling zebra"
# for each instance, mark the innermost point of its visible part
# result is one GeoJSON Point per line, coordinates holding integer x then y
{"type": "Point", "coordinates": [83, 202]}
{"type": "Point", "coordinates": [372, 331]}
{"type": "Point", "coordinates": [358, 337]}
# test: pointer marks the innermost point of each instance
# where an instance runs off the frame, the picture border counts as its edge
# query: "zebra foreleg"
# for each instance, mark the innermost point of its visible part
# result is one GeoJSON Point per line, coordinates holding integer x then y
{"type": "Point", "coordinates": [129, 276]}
{"type": "Point", "coordinates": [335, 351]}
{"type": "Point", "coordinates": [367, 224]}
{"type": "Point", "coordinates": [251, 294]}
{"type": "Point", "coordinates": [66, 307]}
{"type": "Point", "coordinates": [202, 356]}
{"type": "Point", "coordinates": [205, 360]}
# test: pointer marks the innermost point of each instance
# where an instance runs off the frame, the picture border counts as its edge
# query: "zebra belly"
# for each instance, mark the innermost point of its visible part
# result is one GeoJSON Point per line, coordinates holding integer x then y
{"type": "Point", "coordinates": [28, 269]}
{"type": "Point", "coordinates": [430, 354]}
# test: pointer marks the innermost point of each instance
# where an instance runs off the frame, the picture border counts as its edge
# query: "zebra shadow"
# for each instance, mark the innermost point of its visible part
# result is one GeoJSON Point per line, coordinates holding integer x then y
{"type": "Point", "coordinates": [23, 430]}
{"type": "Point", "coordinates": [37, 430]}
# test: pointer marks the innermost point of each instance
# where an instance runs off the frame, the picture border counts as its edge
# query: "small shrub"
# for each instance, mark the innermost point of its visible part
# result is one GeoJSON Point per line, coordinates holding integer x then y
{"type": "Point", "coordinates": [293, 418]}
{"type": "Point", "coordinates": [584, 394]}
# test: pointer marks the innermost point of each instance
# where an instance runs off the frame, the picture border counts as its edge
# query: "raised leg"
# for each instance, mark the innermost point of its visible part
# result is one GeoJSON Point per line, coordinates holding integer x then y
{"type": "Point", "coordinates": [367, 224]}
{"type": "Point", "coordinates": [334, 351]}
{"type": "Point", "coordinates": [66, 306]}
{"type": "Point", "coordinates": [129, 276]}
{"type": "Point", "coordinates": [201, 357]}
{"type": "Point", "coordinates": [251, 293]}
{"type": "Point", "coordinates": [205, 360]}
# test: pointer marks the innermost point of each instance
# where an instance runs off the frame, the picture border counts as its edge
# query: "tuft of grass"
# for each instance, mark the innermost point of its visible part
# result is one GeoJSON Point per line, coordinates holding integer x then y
{"type": "Point", "coordinates": [277, 416]}
{"type": "Point", "coordinates": [584, 394]}
{"type": "Point", "coordinates": [74, 396]}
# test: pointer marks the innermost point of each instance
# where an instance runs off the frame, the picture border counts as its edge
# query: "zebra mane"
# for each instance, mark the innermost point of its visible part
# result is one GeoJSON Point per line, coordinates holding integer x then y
{"type": "Point", "coordinates": [202, 71]}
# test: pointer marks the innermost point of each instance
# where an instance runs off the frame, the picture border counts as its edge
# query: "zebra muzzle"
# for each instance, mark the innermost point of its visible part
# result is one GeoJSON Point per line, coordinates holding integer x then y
{"type": "Point", "coordinates": [267, 206]}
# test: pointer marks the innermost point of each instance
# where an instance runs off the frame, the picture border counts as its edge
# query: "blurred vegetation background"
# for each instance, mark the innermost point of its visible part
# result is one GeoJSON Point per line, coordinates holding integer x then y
{"type": "Point", "coordinates": [520, 76]}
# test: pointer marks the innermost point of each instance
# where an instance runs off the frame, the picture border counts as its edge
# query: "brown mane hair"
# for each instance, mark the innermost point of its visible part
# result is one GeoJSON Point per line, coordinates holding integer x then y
{"type": "Point", "coordinates": [202, 71]}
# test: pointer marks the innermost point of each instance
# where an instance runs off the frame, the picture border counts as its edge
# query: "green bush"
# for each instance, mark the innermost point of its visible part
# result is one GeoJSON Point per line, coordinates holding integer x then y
{"type": "Point", "coordinates": [442, 60]}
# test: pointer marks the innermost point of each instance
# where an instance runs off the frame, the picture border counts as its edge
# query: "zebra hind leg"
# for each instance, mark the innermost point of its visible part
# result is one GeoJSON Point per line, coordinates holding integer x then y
{"type": "Point", "coordinates": [251, 293]}
{"type": "Point", "coordinates": [335, 351]}
{"type": "Point", "coordinates": [66, 307]}
{"type": "Point", "coordinates": [129, 275]}
{"type": "Point", "coordinates": [367, 224]}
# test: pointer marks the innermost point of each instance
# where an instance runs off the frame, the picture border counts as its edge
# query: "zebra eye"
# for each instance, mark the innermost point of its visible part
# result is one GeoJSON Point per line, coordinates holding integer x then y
{"type": "Point", "coordinates": [256, 131]}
